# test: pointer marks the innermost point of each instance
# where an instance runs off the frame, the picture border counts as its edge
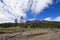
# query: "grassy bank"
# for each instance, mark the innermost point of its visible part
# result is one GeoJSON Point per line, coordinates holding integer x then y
{"type": "Point", "coordinates": [19, 29]}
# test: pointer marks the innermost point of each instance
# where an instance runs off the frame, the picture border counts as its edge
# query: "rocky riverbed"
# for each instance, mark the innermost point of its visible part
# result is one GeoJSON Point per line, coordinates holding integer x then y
{"type": "Point", "coordinates": [47, 34]}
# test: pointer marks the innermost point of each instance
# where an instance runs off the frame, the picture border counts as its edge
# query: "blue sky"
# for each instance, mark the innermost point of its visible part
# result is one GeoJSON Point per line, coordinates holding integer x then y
{"type": "Point", "coordinates": [52, 11]}
{"type": "Point", "coordinates": [30, 10]}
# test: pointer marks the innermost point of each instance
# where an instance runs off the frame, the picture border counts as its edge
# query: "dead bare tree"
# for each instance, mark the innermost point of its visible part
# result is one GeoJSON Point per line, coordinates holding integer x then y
{"type": "Point", "coordinates": [16, 23]}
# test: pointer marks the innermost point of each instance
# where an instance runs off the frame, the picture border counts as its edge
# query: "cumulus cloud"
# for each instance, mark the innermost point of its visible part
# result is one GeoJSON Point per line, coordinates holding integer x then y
{"type": "Point", "coordinates": [12, 9]}
{"type": "Point", "coordinates": [53, 19]}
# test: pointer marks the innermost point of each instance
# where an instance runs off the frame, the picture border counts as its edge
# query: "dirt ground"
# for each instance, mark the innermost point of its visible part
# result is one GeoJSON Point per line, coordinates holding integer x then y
{"type": "Point", "coordinates": [47, 34]}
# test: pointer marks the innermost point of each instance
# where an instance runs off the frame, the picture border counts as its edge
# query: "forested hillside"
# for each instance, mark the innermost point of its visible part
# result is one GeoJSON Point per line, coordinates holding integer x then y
{"type": "Point", "coordinates": [34, 24]}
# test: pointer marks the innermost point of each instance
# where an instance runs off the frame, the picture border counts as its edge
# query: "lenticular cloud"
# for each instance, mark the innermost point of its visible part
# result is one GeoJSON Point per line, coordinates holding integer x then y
{"type": "Point", "coordinates": [11, 9]}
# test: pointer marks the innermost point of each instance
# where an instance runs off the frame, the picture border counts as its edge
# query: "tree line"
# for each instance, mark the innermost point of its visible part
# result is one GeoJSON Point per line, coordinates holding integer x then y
{"type": "Point", "coordinates": [42, 24]}
{"type": "Point", "coordinates": [33, 24]}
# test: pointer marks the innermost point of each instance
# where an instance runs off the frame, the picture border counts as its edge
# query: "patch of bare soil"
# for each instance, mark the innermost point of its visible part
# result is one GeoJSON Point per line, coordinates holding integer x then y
{"type": "Point", "coordinates": [2, 32]}
{"type": "Point", "coordinates": [51, 35]}
{"type": "Point", "coordinates": [33, 35]}
{"type": "Point", "coordinates": [36, 35]}
{"type": "Point", "coordinates": [41, 35]}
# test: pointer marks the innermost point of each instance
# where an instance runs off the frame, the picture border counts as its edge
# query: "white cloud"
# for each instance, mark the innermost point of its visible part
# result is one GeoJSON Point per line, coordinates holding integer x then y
{"type": "Point", "coordinates": [48, 19]}
{"type": "Point", "coordinates": [16, 7]}
{"type": "Point", "coordinates": [32, 19]}
{"type": "Point", "coordinates": [11, 9]}
{"type": "Point", "coordinates": [39, 5]}
{"type": "Point", "coordinates": [53, 19]}
{"type": "Point", "coordinates": [5, 18]}
{"type": "Point", "coordinates": [57, 18]}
